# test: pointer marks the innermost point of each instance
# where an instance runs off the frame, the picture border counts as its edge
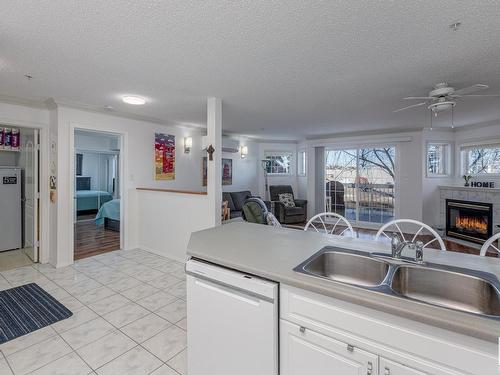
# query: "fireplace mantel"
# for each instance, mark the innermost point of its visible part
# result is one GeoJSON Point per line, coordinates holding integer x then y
{"type": "Point", "coordinates": [469, 188]}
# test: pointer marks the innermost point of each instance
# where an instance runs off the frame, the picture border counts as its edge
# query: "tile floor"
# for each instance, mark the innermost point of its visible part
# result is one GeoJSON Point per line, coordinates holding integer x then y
{"type": "Point", "coordinates": [129, 317]}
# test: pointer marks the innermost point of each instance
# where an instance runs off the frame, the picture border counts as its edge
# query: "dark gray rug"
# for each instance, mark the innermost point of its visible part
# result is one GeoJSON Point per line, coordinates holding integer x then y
{"type": "Point", "coordinates": [25, 309]}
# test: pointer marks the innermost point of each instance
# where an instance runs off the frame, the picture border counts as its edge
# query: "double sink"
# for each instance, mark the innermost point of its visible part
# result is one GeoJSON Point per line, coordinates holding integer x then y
{"type": "Point", "coordinates": [455, 288]}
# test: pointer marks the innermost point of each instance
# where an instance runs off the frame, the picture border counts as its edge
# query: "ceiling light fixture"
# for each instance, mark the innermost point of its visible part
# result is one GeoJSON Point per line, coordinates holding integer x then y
{"type": "Point", "coordinates": [134, 100]}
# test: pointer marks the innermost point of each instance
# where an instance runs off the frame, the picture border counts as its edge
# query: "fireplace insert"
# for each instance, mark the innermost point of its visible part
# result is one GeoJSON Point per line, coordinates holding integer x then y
{"type": "Point", "coordinates": [471, 221]}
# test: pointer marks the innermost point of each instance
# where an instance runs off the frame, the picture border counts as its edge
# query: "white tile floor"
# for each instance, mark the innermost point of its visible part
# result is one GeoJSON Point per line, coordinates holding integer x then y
{"type": "Point", "coordinates": [129, 317]}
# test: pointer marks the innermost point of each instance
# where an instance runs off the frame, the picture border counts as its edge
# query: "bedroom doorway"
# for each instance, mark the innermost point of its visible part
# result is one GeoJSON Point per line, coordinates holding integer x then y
{"type": "Point", "coordinates": [97, 203]}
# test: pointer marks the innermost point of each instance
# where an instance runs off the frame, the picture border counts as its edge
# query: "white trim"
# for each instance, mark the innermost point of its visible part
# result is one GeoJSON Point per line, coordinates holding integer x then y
{"type": "Point", "coordinates": [360, 141]}
{"type": "Point", "coordinates": [43, 162]}
{"type": "Point", "coordinates": [124, 214]}
{"type": "Point", "coordinates": [449, 157]}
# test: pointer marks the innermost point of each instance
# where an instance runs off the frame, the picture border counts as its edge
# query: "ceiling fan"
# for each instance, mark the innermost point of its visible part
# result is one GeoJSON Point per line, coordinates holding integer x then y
{"type": "Point", "coordinates": [443, 97]}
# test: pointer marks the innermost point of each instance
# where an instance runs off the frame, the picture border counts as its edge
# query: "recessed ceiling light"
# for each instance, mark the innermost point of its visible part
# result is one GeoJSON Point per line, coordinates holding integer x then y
{"type": "Point", "coordinates": [134, 100]}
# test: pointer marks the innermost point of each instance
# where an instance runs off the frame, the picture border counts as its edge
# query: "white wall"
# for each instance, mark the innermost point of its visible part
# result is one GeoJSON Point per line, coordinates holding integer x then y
{"type": "Point", "coordinates": [166, 221]}
{"type": "Point", "coordinates": [245, 171]}
{"type": "Point", "coordinates": [138, 159]}
{"type": "Point", "coordinates": [430, 185]}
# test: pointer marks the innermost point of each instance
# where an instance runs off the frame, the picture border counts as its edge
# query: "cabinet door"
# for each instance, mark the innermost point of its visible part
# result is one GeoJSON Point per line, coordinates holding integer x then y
{"type": "Point", "coordinates": [304, 352]}
{"type": "Point", "coordinates": [388, 367]}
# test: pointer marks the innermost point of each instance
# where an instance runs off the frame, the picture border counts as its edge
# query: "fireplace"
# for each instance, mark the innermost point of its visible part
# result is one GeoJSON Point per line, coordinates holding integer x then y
{"type": "Point", "coordinates": [471, 221]}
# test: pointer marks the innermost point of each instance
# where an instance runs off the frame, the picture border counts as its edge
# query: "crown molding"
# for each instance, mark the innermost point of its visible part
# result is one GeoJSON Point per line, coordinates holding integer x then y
{"type": "Point", "coordinates": [32, 103]}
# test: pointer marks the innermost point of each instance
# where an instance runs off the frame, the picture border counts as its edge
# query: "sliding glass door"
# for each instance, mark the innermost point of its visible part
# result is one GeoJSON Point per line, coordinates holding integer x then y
{"type": "Point", "coordinates": [360, 183]}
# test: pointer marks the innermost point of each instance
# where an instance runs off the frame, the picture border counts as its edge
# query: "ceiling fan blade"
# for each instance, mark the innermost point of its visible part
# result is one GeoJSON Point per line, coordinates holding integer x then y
{"type": "Point", "coordinates": [470, 89]}
{"type": "Point", "coordinates": [477, 95]}
{"type": "Point", "coordinates": [419, 98]}
{"type": "Point", "coordinates": [410, 106]}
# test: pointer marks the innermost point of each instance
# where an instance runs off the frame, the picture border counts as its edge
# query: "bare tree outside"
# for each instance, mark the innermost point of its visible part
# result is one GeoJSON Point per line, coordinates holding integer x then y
{"type": "Point", "coordinates": [366, 177]}
{"type": "Point", "coordinates": [483, 160]}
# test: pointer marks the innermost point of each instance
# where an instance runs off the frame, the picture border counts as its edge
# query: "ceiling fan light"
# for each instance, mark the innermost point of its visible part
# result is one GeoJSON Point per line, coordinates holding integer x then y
{"type": "Point", "coordinates": [134, 99]}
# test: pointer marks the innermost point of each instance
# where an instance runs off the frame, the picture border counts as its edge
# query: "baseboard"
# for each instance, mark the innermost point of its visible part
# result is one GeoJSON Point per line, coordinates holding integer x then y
{"type": "Point", "coordinates": [160, 253]}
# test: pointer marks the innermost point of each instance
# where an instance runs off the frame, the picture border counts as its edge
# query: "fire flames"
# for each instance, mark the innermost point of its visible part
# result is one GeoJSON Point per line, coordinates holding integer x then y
{"type": "Point", "coordinates": [471, 224]}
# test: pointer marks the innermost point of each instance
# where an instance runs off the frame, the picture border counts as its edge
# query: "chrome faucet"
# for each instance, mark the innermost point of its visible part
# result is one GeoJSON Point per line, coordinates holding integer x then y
{"type": "Point", "coordinates": [397, 247]}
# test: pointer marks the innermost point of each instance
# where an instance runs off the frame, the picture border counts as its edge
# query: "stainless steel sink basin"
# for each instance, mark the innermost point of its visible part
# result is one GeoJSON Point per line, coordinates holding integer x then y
{"type": "Point", "coordinates": [455, 288]}
{"type": "Point", "coordinates": [447, 288]}
{"type": "Point", "coordinates": [348, 268]}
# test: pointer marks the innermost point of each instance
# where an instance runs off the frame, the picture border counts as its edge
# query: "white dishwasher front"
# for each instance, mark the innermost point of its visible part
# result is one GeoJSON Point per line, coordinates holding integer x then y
{"type": "Point", "coordinates": [232, 322]}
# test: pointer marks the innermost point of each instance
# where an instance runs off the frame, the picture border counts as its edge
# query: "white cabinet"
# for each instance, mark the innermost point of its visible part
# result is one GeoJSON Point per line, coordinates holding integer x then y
{"type": "Point", "coordinates": [304, 352]}
{"type": "Point", "coordinates": [381, 343]}
{"type": "Point", "coordinates": [388, 367]}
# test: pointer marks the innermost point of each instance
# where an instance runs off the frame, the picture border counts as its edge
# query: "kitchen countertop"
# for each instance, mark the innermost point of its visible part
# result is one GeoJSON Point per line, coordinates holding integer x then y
{"type": "Point", "coordinates": [272, 253]}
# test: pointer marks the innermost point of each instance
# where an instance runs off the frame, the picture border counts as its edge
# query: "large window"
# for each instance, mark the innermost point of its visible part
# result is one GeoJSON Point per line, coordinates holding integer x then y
{"type": "Point", "coordinates": [278, 162]}
{"type": "Point", "coordinates": [438, 159]}
{"type": "Point", "coordinates": [481, 159]}
{"type": "Point", "coordinates": [360, 183]}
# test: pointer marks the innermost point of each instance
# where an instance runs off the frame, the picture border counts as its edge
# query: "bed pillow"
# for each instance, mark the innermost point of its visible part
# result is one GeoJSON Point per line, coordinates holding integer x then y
{"type": "Point", "coordinates": [287, 199]}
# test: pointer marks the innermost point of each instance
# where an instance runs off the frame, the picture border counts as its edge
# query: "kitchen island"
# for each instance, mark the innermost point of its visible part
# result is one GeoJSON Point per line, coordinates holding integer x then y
{"type": "Point", "coordinates": [327, 323]}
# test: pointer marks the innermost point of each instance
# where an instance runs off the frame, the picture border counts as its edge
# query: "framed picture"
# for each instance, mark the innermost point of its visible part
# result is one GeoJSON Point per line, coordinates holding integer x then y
{"type": "Point", "coordinates": [164, 156]}
{"type": "Point", "coordinates": [227, 171]}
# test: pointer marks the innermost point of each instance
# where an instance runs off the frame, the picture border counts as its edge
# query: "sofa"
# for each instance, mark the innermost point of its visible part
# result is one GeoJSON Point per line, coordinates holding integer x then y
{"type": "Point", "coordinates": [287, 215]}
{"type": "Point", "coordinates": [236, 200]}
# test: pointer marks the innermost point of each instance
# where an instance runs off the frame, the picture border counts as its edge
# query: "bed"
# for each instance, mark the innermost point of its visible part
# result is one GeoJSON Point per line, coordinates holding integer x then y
{"type": "Point", "coordinates": [88, 200]}
{"type": "Point", "coordinates": [109, 215]}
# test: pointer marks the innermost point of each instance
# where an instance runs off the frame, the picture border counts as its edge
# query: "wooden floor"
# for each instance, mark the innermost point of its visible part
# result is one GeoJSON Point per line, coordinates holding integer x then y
{"type": "Point", "coordinates": [369, 234]}
{"type": "Point", "coordinates": [91, 239]}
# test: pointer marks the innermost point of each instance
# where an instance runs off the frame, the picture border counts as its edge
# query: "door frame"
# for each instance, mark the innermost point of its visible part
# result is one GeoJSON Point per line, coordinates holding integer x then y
{"type": "Point", "coordinates": [123, 167]}
{"type": "Point", "coordinates": [43, 169]}
{"type": "Point", "coordinates": [366, 224]}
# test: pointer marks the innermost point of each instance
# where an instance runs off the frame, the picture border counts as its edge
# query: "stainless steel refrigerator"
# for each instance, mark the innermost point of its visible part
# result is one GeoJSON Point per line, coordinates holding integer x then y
{"type": "Point", "coordinates": [10, 208]}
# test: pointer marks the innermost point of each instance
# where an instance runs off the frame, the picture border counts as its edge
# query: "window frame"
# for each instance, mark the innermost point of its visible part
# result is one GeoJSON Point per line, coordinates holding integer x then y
{"type": "Point", "coordinates": [302, 162]}
{"type": "Point", "coordinates": [448, 159]}
{"type": "Point", "coordinates": [464, 157]}
{"type": "Point", "coordinates": [279, 153]}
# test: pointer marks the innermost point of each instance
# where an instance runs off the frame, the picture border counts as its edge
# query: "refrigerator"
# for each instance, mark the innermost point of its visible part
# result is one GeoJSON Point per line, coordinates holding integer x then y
{"type": "Point", "coordinates": [10, 209]}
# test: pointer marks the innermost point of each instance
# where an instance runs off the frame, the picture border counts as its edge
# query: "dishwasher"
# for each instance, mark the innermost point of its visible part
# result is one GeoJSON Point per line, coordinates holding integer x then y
{"type": "Point", "coordinates": [232, 322]}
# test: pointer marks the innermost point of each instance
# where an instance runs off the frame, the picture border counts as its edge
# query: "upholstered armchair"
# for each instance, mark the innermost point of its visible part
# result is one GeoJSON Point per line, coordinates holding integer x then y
{"type": "Point", "coordinates": [287, 215]}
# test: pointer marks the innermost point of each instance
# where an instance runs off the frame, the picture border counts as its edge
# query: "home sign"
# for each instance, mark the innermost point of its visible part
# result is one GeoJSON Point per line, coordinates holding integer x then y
{"type": "Point", "coordinates": [482, 184]}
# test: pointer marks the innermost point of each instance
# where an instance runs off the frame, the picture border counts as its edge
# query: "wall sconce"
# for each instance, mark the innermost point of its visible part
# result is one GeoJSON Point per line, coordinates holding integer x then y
{"type": "Point", "coordinates": [244, 151]}
{"type": "Point", "coordinates": [188, 143]}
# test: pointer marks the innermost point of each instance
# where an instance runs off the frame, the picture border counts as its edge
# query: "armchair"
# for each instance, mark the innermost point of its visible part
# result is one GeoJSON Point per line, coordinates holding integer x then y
{"type": "Point", "coordinates": [288, 215]}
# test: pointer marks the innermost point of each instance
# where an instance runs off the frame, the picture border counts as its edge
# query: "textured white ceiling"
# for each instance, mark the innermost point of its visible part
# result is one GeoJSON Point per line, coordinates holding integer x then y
{"type": "Point", "coordinates": [283, 68]}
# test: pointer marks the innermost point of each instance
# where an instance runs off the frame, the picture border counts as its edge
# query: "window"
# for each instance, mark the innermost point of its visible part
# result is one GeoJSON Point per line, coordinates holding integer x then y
{"type": "Point", "coordinates": [359, 183]}
{"type": "Point", "coordinates": [481, 159]}
{"type": "Point", "coordinates": [278, 162]}
{"type": "Point", "coordinates": [438, 159]}
{"type": "Point", "coordinates": [79, 164]}
{"type": "Point", "coordinates": [301, 165]}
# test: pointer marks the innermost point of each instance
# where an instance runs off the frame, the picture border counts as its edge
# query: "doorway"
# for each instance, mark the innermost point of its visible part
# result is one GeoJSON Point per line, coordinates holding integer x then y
{"type": "Point", "coordinates": [19, 197]}
{"type": "Point", "coordinates": [360, 183]}
{"type": "Point", "coordinates": [97, 198]}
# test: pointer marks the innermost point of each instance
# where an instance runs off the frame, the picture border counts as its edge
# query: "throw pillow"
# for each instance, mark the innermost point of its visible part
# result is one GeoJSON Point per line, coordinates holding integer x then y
{"type": "Point", "coordinates": [287, 199]}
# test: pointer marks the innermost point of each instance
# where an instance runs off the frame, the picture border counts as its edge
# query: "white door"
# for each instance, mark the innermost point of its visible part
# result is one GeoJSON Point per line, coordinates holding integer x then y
{"type": "Point", "coordinates": [388, 367]}
{"type": "Point", "coordinates": [30, 151]}
{"type": "Point", "coordinates": [304, 352]}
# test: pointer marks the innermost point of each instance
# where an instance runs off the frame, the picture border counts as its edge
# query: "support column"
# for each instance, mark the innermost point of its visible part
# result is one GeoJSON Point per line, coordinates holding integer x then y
{"type": "Point", "coordinates": [214, 138]}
